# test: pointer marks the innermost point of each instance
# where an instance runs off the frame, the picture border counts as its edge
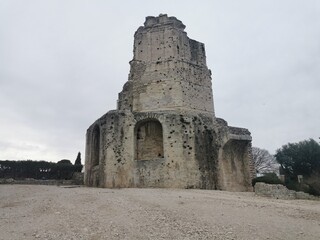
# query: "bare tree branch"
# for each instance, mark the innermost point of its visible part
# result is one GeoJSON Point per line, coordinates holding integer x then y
{"type": "Point", "coordinates": [264, 161]}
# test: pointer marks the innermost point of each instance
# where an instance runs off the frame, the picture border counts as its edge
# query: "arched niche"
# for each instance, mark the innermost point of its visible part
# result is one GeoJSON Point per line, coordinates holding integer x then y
{"type": "Point", "coordinates": [148, 140]}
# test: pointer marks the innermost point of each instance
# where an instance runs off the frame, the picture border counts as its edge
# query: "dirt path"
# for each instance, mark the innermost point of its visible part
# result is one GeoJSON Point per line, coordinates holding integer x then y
{"type": "Point", "coordinates": [51, 212]}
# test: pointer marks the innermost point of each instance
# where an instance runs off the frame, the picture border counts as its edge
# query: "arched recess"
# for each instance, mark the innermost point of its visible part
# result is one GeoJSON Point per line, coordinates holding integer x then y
{"type": "Point", "coordinates": [95, 147]}
{"type": "Point", "coordinates": [235, 165]}
{"type": "Point", "coordinates": [148, 140]}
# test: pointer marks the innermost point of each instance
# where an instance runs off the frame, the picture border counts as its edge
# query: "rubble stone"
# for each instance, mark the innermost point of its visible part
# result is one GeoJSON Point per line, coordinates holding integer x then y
{"type": "Point", "coordinates": [279, 191]}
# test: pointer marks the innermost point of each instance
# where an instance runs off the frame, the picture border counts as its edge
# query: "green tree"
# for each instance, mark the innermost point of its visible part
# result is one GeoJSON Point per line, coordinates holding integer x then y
{"type": "Point", "coordinates": [302, 158]}
{"type": "Point", "coordinates": [65, 162]}
{"type": "Point", "coordinates": [78, 164]}
{"type": "Point", "coordinates": [78, 159]}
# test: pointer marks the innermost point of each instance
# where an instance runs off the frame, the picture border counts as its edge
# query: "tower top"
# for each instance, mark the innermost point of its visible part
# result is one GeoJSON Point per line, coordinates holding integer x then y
{"type": "Point", "coordinates": [163, 19]}
{"type": "Point", "coordinates": [168, 70]}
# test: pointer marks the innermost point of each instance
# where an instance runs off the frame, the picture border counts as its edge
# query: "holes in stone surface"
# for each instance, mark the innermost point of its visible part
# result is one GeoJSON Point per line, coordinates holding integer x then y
{"type": "Point", "coordinates": [95, 150]}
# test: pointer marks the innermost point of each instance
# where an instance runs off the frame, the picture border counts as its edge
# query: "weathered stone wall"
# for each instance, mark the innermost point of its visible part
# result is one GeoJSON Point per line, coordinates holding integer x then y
{"type": "Point", "coordinates": [149, 140]}
{"type": "Point", "coordinates": [190, 159]}
{"type": "Point", "coordinates": [178, 166]}
{"type": "Point", "coordinates": [234, 166]}
{"type": "Point", "coordinates": [164, 132]}
{"type": "Point", "coordinates": [279, 191]}
{"type": "Point", "coordinates": [168, 70]}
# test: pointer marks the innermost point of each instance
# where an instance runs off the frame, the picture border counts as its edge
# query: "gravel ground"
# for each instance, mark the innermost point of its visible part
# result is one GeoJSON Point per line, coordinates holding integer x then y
{"type": "Point", "coordinates": [52, 212]}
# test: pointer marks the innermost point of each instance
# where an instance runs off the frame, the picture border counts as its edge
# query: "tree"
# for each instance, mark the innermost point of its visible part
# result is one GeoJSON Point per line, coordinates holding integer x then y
{"type": "Point", "coordinates": [78, 159]}
{"type": "Point", "coordinates": [65, 162]}
{"type": "Point", "coordinates": [302, 158]}
{"type": "Point", "coordinates": [264, 162]}
{"type": "Point", "coordinates": [77, 163]}
{"type": "Point", "coordinates": [21, 169]}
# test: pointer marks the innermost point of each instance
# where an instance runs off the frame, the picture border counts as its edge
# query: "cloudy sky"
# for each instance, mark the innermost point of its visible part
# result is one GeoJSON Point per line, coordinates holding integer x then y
{"type": "Point", "coordinates": [62, 64]}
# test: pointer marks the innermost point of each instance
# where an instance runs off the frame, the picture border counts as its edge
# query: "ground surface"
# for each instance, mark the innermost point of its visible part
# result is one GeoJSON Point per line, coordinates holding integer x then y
{"type": "Point", "coordinates": [51, 212]}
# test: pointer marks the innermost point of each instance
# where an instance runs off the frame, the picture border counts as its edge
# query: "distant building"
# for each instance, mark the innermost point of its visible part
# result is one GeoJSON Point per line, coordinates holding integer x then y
{"type": "Point", "coordinates": [164, 132]}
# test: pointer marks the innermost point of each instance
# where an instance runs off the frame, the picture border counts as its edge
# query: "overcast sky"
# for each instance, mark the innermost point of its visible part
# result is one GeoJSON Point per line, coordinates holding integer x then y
{"type": "Point", "coordinates": [63, 63]}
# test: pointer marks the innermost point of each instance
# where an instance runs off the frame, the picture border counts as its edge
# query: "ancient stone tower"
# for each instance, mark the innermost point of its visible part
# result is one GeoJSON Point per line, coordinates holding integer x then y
{"type": "Point", "coordinates": [164, 132]}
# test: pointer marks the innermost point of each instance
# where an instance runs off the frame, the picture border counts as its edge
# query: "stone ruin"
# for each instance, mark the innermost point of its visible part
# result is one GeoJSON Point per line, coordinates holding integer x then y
{"type": "Point", "coordinates": [164, 132]}
{"type": "Point", "coordinates": [279, 191]}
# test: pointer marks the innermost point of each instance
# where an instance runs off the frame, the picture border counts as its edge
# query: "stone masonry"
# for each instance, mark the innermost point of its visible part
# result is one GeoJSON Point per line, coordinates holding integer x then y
{"type": "Point", "coordinates": [164, 132]}
{"type": "Point", "coordinates": [279, 191]}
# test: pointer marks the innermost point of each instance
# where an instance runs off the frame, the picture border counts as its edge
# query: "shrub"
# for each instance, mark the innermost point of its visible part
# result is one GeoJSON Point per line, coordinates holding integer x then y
{"type": "Point", "coordinates": [314, 184]}
{"type": "Point", "coordinates": [270, 178]}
